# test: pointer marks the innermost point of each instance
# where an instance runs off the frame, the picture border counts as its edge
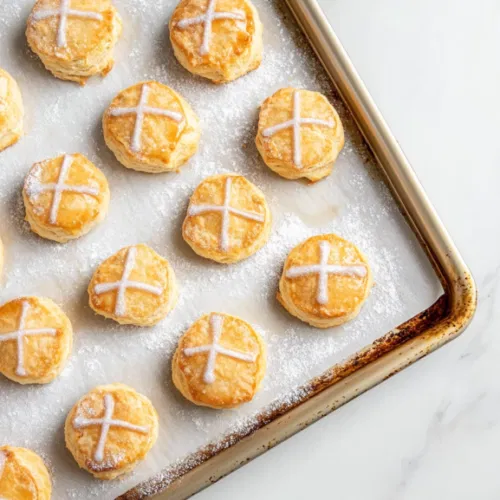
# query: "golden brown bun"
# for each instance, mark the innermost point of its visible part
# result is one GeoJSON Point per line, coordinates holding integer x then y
{"type": "Point", "coordinates": [313, 155]}
{"type": "Point", "coordinates": [123, 447]}
{"type": "Point", "coordinates": [245, 233]}
{"type": "Point", "coordinates": [85, 48]}
{"type": "Point", "coordinates": [11, 111]}
{"type": "Point", "coordinates": [234, 46]}
{"type": "Point", "coordinates": [230, 382]}
{"type": "Point", "coordinates": [23, 475]}
{"type": "Point", "coordinates": [44, 353]}
{"type": "Point", "coordinates": [143, 307]}
{"type": "Point", "coordinates": [162, 143]}
{"type": "Point", "coordinates": [73, 214]}
{"type": "Point", "coordinates": [346, 289]}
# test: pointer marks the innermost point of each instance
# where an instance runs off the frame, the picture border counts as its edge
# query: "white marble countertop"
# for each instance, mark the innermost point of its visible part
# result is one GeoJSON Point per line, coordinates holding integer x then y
{"type": "Point", "coordinates": [432, 431]}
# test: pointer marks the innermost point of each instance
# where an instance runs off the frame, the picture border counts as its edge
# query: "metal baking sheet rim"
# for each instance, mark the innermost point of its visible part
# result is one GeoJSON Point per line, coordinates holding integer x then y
{"type": "Point", "coordinates": [412, 340]}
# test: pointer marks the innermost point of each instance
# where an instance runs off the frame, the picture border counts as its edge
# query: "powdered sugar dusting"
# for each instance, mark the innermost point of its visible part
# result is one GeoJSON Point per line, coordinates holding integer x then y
{"type": "Point", "coordinates": [352, 202]}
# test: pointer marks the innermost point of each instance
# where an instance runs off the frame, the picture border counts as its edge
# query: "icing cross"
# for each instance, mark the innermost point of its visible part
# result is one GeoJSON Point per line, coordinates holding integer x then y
{"type": "Point", "coordinates": [63, 13]}
{"type": "Point", "coordinates": [323, 270]}
{"type": "Point", "coordinates": [124, 283]}
{"type": "Point", "coordinates": [207, 19]}
{"type": "Point", "coordinates": [226, 210]}
{"type": "Point", "coordinates": [216, 322]}
{"type": "Point", "coordinates": [60, 187]}
{"type": "Point", "coordinates": [140, 111]}
{"type": "Point", "coordinates": [106, 422]}
{"type": "Point", "coordinates": [22, 332]}
{"type": "Point", "coordinates": [296, 123]}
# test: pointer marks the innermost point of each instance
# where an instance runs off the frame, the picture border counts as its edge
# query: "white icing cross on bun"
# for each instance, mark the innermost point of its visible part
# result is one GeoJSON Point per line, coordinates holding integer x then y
{"type": "Point", "coordinates": [323, 270]}
{"type": "Point", "coordinates": [296, 122]}
{"type": "Point", "coordinates": [35, 188]}
{"type": "Point", "coordinates": [207, 19]}
{"type": "Point", "coordinates": [226, 210]}
{"type": "Point", "coordinates": [63, 13]}
{"type": "Point", "coordinates": [106, 422]}
{"type": "Point", "coordinates": [19, 335]}
{"type": "Point", "coordinates": [140, 111]}
{"type": "Point", "coordinates": [124, 283]}
{"type": "Point", "coordinates": [213, 349]}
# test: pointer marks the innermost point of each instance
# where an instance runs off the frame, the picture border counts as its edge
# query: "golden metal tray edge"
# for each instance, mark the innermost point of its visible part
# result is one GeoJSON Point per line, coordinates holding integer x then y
{"type": "Point", "coordinates": [404, 345]}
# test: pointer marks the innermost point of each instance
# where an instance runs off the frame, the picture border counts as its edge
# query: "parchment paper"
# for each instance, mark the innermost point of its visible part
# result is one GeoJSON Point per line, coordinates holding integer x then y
{"type": "Point", "coordinates": [62, 117]}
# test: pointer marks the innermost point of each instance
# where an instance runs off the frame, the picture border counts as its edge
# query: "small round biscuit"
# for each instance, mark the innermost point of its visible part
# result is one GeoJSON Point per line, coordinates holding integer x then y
{"type": "Point", "coordinates": [151, 128]}
{"type": "Point", "coordinates": [11, 111]}
{"type": "Point", "coordinates": [325, 281]}
{"type": "Point", "coordinates": [227, 219]}
{"type": "Point", "coordinates": [65, 197]}
{"type": "Point", "coordinates": [218, 39]}
{"type": "Point", "coordinates": [36, 339]}
{"type": "Point", "coordinates": [23, 475]}
{"type": "Point", "coordinates": [135, 286]}
{"type": "Point", "coordinates": [299, 134]}
{"type": "Point", "coordinates": [220, 362]}
{"type": "Point", "coordinates": [110, 430]}
{"type": "Point", "coordinates": [74, 39]}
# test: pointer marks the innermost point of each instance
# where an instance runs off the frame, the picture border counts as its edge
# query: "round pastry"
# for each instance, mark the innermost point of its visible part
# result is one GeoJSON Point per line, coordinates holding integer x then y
{"type": "Point", "coordinates": [220, 362]}
{"type": "Point", "coordinates": [74, 39]}
{"type": "Point", "coordinates": [227, 219]}
{"type": "Point", "coordinates": [135, 286]}
{"type": "Point", "coordinates": [23, 475]}
{"type": "Point", "coordinates": [299, 134]}
{"type": "Point", "coordinates": [11, 111]}
{"type": "Point", "coordinates": [151, 128]}
{"type": "Point", "coordinates": [325, 281]}
{"type": "Point", "coordinates": [218, 39]}
{"type": "Point", "coordinates": [65, 197]}
{"type": "Point", "coordinates": [110, 430]}
{"type": "Point", "coordinates": [36, 338]}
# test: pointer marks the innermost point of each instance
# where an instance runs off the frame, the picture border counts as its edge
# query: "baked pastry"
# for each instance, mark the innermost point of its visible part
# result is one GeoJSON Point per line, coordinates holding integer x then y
{"type": "Point", "coordinates": [227, 219]}
{"type": "Point", "coordinates": [299, 134]}
{"type": "Point", "coordinates": [151, 128]}
{"type": "Point", "coordinates": [218, 39]}
{"type": "Point", "coordinates": [135, 286]}
{"type": "Point", "coordinates": [23, 475]}
{"type": "Point", "coordinates": [11, 111]}
{"type": "Point", "coordinates": [36, 338]}
{"type": "Point", "coordinates": [325, 281]}
{"type": "Point", "coordinates": [74, 39]}
{"type": "Point", "coordinates": [110, 430]}
{"type": "Point", "coordinates": [220, 362]}
{"type": "Point", "coordinates": [65, 197]}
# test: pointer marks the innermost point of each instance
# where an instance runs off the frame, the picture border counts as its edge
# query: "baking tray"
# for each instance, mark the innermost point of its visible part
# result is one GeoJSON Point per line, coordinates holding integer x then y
{"type": "Point", "coordinates": [420, 335]}
{"type": "Point", "coordinates": [198, 446]}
